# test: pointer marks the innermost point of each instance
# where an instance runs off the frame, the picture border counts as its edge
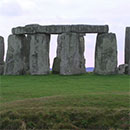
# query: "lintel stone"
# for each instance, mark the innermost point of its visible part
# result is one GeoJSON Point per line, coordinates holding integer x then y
{"type": "Point", "coordinates": [58, 29]}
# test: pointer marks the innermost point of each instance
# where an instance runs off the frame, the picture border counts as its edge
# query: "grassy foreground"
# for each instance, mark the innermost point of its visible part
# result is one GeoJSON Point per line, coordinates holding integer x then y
{"type": "Point", "coordinates": [64, 102]}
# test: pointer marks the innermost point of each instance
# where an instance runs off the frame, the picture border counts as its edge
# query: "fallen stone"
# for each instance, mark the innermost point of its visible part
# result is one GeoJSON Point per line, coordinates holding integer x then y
{"type": "Point", "coordinates": [70, 53]}
{"type": "Point", "coordinates": [58, 29]}
{"type": "Point", "coordinates": [39, 54]}
{"type": "Point", "coordinates": [17, 53]}
{"type": "Point", "coordinates": [56, 66]}
{"type": "Point", "coordinates": [127, 48]}
{"type": "Point", "coordinates": [1, 55]}
{"type": "Point", "coordinates": [122, 68]}
{"type": "Point", "coordinates": [129, 68]}
{"type": "Point", "coordinates": [106, 54]}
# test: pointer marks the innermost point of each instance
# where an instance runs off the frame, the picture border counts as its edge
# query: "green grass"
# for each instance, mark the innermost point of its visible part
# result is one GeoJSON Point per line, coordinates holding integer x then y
{"type": "Point", "coordinates": [66, 95]}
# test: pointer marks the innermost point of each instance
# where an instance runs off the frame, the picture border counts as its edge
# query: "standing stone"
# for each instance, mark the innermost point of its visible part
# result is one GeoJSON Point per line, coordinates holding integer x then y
{"type": "Point", "coordinates": [127, 49]}
{"type": "Point", "coordinates": [106, 54]}
{"type": "Point", "coordinates": [17, 55]}
{"type": "Point", "coordinates": [39, 54]}
{"type": "Point", "coordinates": [70, 54]}
{"type": "Point", "coordinates": [1, 55]}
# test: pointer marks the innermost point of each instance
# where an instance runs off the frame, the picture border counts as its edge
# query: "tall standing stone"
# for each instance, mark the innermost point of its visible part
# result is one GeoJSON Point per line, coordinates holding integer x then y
{"type": "Point", "coordinates": [39, 54]}
{"type": "Point", "coordinates": [17, 55]}
{"type": "Point", "coordinates": [1, 55]}
{"type": "Point", "coordinates": [70, 54]}
{"type": "Point", "coordinates": [106, 54]}
{"type": "Point", "coordinates": [127, 49]}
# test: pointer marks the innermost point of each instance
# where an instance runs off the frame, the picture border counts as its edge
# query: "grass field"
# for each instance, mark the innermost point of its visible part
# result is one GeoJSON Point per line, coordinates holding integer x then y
{"type": "Point", "coordinates": [65, 102]}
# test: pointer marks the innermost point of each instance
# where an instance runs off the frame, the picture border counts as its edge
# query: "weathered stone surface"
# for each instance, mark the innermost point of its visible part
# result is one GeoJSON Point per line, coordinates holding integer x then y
{"type": "Point", "coordinates": [56, 66]}
{"type": "Point", "coordinates": [39, 54]}
{"type": "Point", "coordinates": [1, 55]}
{"type": "Point", "coordinates": [70, 53]}
{"type": "Point", "coordinates": [122, 68]}
{"type": "Point", "coordinates": [1, 69]}
{"type": "Point", "coordinates": [106, 54]}
{"type": "Point", "coordinates": [58, 29]}
{"type": "Point", "coordinates": [17, 55]}
{"type": "Point", "coordinates": [1, 50]}
{"type": "Point", "coordinates": [127, 45]}
{"type": "Point", "coordinates": [127, 48]}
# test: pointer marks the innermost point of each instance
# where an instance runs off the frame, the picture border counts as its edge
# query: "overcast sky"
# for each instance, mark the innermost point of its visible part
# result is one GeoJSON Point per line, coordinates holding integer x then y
{"type": "Point", "coordinates": [115, 13]}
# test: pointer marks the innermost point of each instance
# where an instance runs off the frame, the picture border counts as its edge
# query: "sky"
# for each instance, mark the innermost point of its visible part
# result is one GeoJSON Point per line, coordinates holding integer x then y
{"type": "Point", "coordinates": [115, 13]}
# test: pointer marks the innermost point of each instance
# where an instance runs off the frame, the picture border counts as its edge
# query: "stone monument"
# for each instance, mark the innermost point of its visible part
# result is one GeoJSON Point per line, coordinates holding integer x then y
{"type": "Point", "coordinates": [28, 50]}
